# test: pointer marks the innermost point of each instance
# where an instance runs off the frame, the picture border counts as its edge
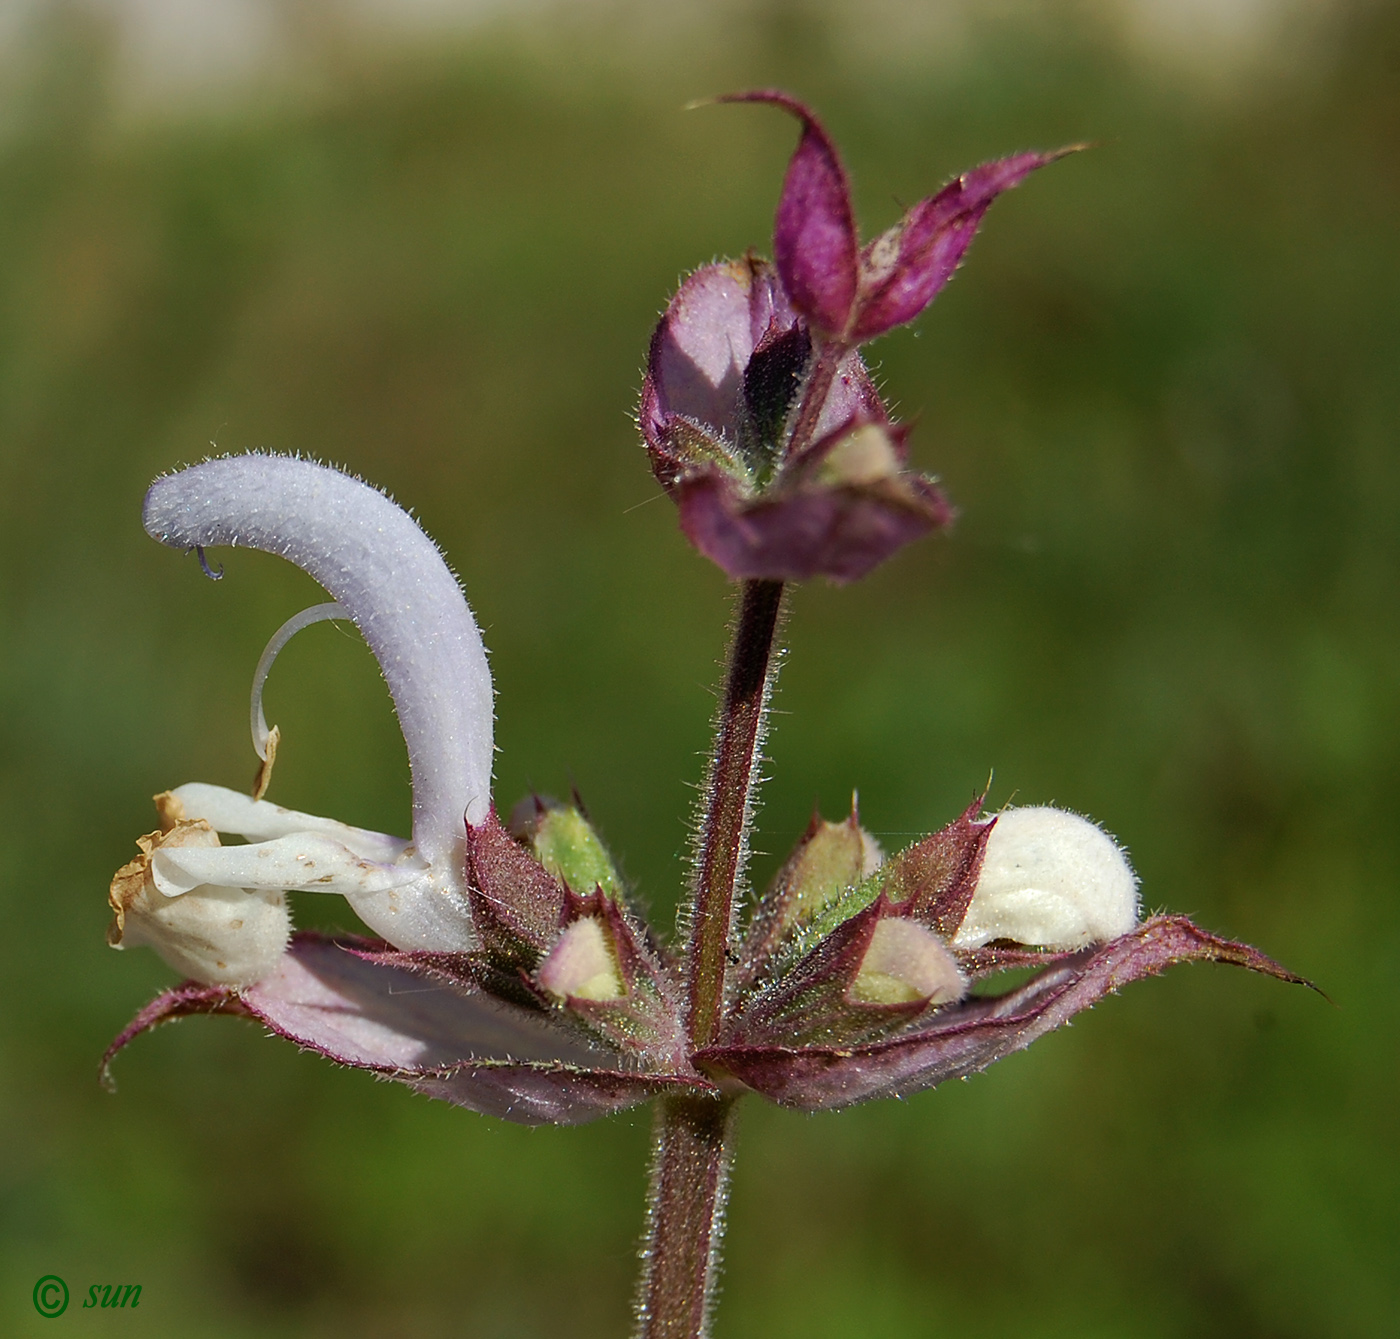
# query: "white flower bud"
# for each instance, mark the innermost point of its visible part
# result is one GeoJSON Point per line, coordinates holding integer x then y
{"type": "Point", "coordinates": [217, 935]}
{"type": "Point", "coordinates": [582, 965]}
{"type": "Point", "coordinates": [864, 456]}
{"type": "Point", "coordinates": [904, 962]}
{"type": "Point", "coordinates": [1051, 879]}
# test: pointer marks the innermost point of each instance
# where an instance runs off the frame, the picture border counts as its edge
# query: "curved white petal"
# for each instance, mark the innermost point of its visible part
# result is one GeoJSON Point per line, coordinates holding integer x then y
{"type": "Point", "coordinates": [305, 862]}
{"type": "Point", "coordinates": [260, 820]}
{"type": "Point", "coordinates": [428, 913]}
{"type": "Point", "coordinates": [217, 935]}
{"type": "Point", "coordinates": [412, 905]}
{"type": "Point", "coordinates": [220, 936]}
{"type": "Point", "coordinates": [376, 561]}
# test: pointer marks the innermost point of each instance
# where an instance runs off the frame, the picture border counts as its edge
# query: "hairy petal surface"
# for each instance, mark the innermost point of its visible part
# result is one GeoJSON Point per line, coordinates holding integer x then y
{"type": "Point", "coordinates": [392, 581]}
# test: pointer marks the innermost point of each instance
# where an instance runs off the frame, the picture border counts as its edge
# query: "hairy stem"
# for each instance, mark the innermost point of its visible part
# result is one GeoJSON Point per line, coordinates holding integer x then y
{"type": "Point", "coordinates": [814, 393]}
{"type": "Point", "coordinates": [685, 1222]}
{"type": "Point", "coordinates": [728, 802]}
{"type": "Point", "coordinates": [691, 1161]}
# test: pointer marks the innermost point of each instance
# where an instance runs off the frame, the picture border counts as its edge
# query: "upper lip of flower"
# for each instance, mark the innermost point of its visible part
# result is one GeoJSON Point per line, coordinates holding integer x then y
{"type": "Point", "coordinates": [391, 580]}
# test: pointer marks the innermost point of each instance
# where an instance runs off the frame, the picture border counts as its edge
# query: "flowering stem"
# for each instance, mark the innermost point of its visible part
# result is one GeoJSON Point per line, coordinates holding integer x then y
{"type": "Point", "coordinates": [690, 1165]}
{"type": "Point", "coordinates": [689, 1172]}
{"type": "Point", "coordinates": [724, 831]}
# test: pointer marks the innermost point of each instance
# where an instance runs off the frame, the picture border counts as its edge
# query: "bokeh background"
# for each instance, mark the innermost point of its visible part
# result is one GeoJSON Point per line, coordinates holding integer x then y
{"type": "Point", "coordinates": [428, 242]}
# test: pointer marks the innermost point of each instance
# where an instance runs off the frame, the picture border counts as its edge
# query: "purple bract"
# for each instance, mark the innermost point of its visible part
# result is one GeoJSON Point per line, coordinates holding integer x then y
{"type": "Point", "coordinates": [758, 413]}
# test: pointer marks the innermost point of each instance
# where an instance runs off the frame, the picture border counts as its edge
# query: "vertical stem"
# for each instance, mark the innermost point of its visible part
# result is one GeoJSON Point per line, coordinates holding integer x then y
{"type": "Point", "coordinates": [724, 829]}
{"type": "Point", "coordinates": [690, 1169]}
{"type": "Point", "coordinates": [814, 393]}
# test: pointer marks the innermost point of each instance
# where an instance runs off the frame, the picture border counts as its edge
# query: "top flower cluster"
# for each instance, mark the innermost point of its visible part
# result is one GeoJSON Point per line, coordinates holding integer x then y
{"type": "Point", "coordinates": [759, 415]}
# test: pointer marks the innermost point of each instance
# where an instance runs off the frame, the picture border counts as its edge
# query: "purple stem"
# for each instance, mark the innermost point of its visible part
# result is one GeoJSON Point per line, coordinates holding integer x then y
{"type": "Point", "coordinates": [814, 393]}
{"type": "Point", "coordinates": [685, 1221]}
{"type": "Point", "coordinates": [728, 803]}
{"type": "Point", "coordinates": [690, 1165]}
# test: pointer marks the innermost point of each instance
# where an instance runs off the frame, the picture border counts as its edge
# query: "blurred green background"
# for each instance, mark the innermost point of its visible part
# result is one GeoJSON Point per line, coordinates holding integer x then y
{"type": "Point", "coordinates": [1164, 393]}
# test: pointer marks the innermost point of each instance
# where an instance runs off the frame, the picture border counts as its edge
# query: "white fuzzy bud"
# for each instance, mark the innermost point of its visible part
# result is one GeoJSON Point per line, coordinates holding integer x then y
{"type": "Point", "coordinates": [1051, 879]}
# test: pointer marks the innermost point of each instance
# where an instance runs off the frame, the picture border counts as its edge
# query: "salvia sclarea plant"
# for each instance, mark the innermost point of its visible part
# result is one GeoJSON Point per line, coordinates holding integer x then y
{"type": "Point", "coordinates": [549, 998]}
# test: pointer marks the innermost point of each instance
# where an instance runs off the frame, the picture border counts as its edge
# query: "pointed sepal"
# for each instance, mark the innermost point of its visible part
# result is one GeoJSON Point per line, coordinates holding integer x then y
{"type": "Point", "coordinates": [828, 862]}
{"type": "Point", "coordinates": [905, 268]}
{"type": "Point", "coordinates": [874, 974]}
{"type": "Point", "coordinates": [517, 903]}
{"type": "Point", "coordinates": [566, 844]}
{"type": "Point", "coordinates": [933, 881]}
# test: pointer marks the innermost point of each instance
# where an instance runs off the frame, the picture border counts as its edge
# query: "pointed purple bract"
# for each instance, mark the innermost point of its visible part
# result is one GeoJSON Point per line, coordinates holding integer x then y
{"type": "Point", "coordinates": [968, 1037]}
{"type": "Point", "coordinates": [751, 368]}
{"type": "Point", "coordinates": [837, 532]}
{"type": "Point", "coordinates": [517, 904]}
{"type": "Point", "coordinates": [933, 881]}
{"type": "Point", "coordinates": [330, 996]}
{"type": "Point", "coordinates": [814, 235]}
{"type": "Point", "coordinates": [694, 413]}
{"type": "Point", "coordinates": [852, 294]}
{"type": "Point", "coordinates": [903, 270]}
{"type": "Point", "coordinates": [420, 1019]}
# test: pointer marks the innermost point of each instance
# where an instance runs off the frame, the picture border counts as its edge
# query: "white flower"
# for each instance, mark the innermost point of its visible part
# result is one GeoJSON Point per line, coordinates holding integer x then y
{"type": "Point", "coordinates": [386, 576]}
{"type": "Point", "coordinates": [221, 936]}
{"type": "Point", "coordinates": [1052, 879]}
